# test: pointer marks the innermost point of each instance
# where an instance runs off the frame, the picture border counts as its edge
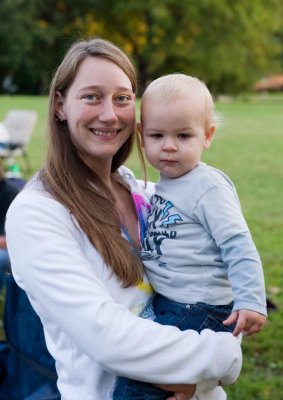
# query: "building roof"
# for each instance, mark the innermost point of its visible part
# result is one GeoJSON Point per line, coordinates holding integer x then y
{"type": "Point", "coordinates": [271, 82]}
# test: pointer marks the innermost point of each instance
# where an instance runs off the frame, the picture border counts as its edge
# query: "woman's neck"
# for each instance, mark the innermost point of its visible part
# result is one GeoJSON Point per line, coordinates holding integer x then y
{"type": "Point", "coordinates": [126, 210]}
{"type": "Point", "coordinates": [101, 169]}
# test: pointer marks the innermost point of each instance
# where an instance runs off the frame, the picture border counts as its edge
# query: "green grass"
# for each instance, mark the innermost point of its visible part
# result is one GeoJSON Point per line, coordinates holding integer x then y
{"type": "Point", "coordinates": [248, 147]}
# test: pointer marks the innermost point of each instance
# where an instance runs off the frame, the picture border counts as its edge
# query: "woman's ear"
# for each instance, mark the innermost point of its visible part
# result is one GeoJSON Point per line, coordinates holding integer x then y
{"type": "Point", "coordinates": [208, 136]}
{"type": "Point", "coordinates": [59, 106]}
{"type": "Point", "coordinates": [140, 131]}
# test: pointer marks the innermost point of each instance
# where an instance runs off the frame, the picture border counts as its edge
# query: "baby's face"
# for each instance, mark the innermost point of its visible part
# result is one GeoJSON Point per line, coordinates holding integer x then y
{"type": "Point", "coordinates": [174, 133]}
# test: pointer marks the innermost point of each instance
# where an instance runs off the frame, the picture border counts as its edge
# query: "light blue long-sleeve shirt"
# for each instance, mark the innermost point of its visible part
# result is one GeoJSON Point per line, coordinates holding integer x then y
{"type": "Point", "coordinates": [198, 247]}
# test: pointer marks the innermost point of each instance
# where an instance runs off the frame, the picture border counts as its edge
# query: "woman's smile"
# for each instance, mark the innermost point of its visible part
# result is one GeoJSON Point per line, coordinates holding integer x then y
{"type": "Point", "coordinates": [104, 133]}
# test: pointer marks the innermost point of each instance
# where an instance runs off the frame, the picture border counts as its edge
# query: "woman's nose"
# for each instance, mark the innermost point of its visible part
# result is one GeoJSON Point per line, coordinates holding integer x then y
{"type": "Point", "coordinates": [169, 145]}
{"type": "Point", "coordinates": [107, 112]}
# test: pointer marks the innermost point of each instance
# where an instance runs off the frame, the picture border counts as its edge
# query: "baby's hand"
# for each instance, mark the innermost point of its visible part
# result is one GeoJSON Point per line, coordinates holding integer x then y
{"type": "Point", "coordinates": [247, 322]}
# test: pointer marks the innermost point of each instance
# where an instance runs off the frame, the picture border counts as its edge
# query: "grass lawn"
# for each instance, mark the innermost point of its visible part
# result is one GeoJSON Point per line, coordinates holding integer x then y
{"type": "Point", "coordinates": [248, 147]}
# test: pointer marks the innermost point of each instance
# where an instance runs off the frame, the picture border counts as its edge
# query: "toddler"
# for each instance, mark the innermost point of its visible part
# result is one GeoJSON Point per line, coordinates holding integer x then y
{"type": "Point", "coordinates": [198, 250]}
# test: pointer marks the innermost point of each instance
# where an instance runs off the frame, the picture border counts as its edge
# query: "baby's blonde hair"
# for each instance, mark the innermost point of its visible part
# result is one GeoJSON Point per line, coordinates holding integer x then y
{"type": "Point", "coordinates": [173, 85]}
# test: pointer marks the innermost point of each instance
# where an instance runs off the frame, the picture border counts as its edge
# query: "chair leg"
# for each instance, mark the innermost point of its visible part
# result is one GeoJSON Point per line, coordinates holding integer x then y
{"type": "Point", "coordinates": [27, 161]}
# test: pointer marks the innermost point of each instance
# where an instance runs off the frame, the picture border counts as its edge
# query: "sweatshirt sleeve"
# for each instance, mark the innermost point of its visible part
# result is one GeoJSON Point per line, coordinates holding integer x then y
{"type": "Point", "coordinates": [221, 214]}
{"type": "Point", "coordinates": [47, 262]}
{"type": "Point", "coordinates": [245, 273]}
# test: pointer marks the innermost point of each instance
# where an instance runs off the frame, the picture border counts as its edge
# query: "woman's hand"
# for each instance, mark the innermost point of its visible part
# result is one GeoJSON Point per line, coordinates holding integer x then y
{"type": "Point", "coordinates": [181, 392]}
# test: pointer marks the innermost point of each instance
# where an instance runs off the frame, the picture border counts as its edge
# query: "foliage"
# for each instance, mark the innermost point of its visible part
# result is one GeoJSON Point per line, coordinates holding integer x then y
{"type": "Point", "coordinates": [228, 44]}
{"type": "Point", "coordinates": [15, 37]}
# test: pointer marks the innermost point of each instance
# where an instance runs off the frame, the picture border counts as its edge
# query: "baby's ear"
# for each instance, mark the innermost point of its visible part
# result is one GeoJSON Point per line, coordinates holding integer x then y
{"type": "Point", "coordinates": [140, 131]}
{"type": "Point", "coordinates": [208, 136]}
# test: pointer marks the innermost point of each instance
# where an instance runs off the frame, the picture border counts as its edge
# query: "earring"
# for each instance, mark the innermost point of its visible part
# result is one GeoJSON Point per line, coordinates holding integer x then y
{"type": "Point", "coordinates": [60, 120]}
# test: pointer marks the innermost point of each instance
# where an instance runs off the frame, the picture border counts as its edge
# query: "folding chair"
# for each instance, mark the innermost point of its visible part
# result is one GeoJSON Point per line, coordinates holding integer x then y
{"type": "Point", "coordinates": [19, 124]}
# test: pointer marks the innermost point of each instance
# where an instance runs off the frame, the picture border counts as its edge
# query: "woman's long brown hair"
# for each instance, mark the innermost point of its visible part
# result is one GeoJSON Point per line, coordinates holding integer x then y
{"type": "Point", "coordinates": [74, 184]}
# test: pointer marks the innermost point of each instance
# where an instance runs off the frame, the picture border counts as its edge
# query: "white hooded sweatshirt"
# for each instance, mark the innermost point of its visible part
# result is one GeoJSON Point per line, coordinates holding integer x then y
{"type": "Point", "coordinates": [89, 325]}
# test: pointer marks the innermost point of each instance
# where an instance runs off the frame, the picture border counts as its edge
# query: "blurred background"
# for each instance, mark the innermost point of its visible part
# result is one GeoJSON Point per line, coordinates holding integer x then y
{"type": "Point", "coordinates": [236, 47]}
{"type": "Point", "coordinates": [230, 44]}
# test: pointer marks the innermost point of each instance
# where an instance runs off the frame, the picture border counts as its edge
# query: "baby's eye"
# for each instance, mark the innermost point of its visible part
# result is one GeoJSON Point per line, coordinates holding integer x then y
{"type": "Point", "coordinates": [156, 135]}
{"type": "Point", "coordinates": [184, 135]}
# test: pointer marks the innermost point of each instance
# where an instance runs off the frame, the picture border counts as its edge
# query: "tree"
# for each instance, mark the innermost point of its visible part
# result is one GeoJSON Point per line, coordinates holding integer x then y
{"type": "Point", "coordinates": [227, 43]}
{"type": "Point", "coordinates": [14, 36]}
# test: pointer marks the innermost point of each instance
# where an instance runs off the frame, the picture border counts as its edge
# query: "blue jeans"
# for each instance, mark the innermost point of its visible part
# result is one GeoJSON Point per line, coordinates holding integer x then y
{"type": "Point", "coordinates": [4, 265]}
{"type": "Point", "coordinates": [197, 316]}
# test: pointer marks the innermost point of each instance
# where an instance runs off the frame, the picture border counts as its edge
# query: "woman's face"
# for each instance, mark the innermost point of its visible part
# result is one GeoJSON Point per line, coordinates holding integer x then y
{"type": "Point", "coordinates": [100, 111]}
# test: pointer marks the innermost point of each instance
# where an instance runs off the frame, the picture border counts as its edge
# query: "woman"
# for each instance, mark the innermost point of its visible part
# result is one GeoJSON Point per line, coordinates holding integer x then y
{"type": "Point", "coordinates": [75, 247]}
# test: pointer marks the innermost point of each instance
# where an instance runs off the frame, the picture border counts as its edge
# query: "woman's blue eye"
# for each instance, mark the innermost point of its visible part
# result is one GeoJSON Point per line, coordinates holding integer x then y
{"type": "Point", "coordinates": [90, 97]}
{"type": "Point", "coordinates": [123, 99]}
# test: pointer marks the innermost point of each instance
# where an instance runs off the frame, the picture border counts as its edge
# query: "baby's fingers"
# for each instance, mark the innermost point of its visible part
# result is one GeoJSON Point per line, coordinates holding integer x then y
{"type": "Point", "coordinates": [240, 326]}
{"type": "Point", "coordinates": [231, 319]}
{"type": "Point", "coordinates": [254, 326]}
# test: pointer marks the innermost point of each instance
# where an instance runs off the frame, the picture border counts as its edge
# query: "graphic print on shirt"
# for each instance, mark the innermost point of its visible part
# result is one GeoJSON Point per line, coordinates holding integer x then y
{"type": "Point", "coordinates": [162, 217]}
